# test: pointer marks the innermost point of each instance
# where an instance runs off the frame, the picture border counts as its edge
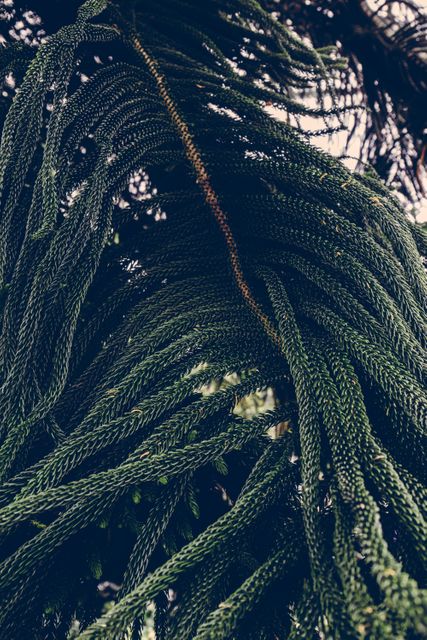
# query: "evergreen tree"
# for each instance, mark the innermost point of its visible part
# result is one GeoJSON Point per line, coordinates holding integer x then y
{"type": "Point", "coordinates": [160, 230]}
{"type": "Point", "coordinates": [385, 42]}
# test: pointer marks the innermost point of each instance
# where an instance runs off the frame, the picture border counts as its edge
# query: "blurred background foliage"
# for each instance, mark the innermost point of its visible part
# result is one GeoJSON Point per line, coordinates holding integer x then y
{"type": "Point", "coordinates": [385, 42]}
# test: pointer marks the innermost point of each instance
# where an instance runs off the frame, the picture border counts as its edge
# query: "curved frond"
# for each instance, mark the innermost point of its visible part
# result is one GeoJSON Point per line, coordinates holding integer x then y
{"type": "Point", "coordinates": [167, 250]}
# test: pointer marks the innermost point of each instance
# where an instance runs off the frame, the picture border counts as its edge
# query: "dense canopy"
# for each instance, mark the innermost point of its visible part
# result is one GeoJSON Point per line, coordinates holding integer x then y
{"type": "Point", "coordinates": [169, 249]}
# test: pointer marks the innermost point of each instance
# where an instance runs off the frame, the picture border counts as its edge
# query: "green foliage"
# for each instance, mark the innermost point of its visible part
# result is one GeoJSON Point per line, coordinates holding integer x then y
{"type": "Point", "coordinates": [271, 266]}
